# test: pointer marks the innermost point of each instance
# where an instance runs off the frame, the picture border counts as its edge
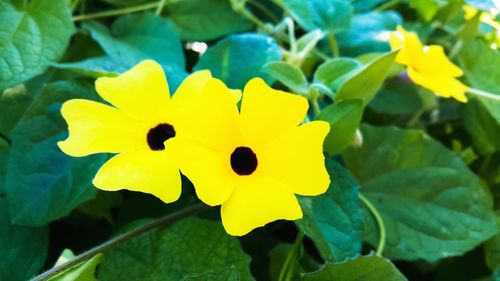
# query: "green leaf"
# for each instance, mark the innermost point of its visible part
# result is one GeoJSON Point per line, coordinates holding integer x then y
{"type": "Point", "coordinates": [13, 103]}
{"type": "Point", "coordinates": [289, 75]}
{"type": "Point", "coordinates": [427, 8]}
{"type": "Point", "coordinates": [492, 252]}
{"type": "Point", "coordinates": [81, 272]}
{"type": "Point", "coordinates": [205, 19]}
{"type": "Point", "coordinates": [238, 58]}
{"type": "Point", "coordinates": [333, 72]}
{"type": "Point", "coordinates": [481, 71]}
{"type": "Point", "coordinates": [334, 220]}
{"type": "Point", "coordinates": [125, 2]}
{"type": "Point", "coordinates": [369, 32]}
{"type": "Point", "coordinates": [4, 155]}
{"type": "Point", "coordinates": [42, 183]}
{"type": "Point", "coordinates": [432, 205]}
{"type": "Point", "coordinates": [397, 97]}
{"type": "Point", "coordinates": [23, 249]}
{"type": "Point", "coordinates": [229, 274]}
{"type": "Point", "coordinates": [34, 35]}
{"type": "Point", "coordinates": [132, 39]}
{"type": "Point", "coordinates": [362, 268]}
{"type": "Point", "coordinates": [327, 15]}
{"type": "Point", "coordinates": [365, 82]}
{"type": "Point", "coordinates": [344, 118]}
{"type": "Point", "coordinates": [482, 121]}
{"type": "Point", "coordinates": [188, 248]}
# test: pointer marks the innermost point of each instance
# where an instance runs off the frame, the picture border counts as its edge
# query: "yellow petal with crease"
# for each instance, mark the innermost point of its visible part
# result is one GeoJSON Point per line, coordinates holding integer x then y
{"type": "Point", "coordinates": [142, 92]}
{"type": "Point", "coordinates": [435, 62]}
{"type": "Point", "coordinates": [212, 119]}
{"type": "Point", "coordinates": [267, 113]}
{"type": "Point", "coordinates": [144, 171]}
{"type": "Point", "coordinates": [209, 171]}
{"type": "Point", "coordinates": [444, 86]}
{"type": "Point", "coordinates": [256, 202]}
{"type": "Point", "coordinates": [411, 47]}
{"type": "Point", "coordinates": [94, 128]}
{"type": "Point", "coordinates": [296, 159]}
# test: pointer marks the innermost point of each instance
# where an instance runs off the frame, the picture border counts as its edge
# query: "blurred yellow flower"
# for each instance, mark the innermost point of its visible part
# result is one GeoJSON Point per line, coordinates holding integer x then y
{"type": "Point", "coordinates": [428, 66]}
{"type": "Point", "coordinates": [485, 17]}
{"type": "Point", "coordinates": [141, 118]}
{"type": "Point", "coordinates": [254, 162]}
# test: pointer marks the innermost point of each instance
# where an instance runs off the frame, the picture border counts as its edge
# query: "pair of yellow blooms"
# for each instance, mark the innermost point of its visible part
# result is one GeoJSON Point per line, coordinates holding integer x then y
{"type": "Point", "coordinates": [251, 161]}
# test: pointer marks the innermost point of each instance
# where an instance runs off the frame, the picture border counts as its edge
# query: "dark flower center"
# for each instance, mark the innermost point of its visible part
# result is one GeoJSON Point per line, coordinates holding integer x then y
{"type": "Point", "coordinates": [159, 134]}
{"type": "Point", "coordinates": [243, 161]}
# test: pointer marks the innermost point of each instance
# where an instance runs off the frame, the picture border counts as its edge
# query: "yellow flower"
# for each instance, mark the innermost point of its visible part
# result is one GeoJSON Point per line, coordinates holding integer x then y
{"type": "Point", "coordinates": [254, 162]}
{"type": "Point", "coordinates": [141, 118]}
{"type": "Point", "coordinates": [428, 66]}
{"type": "Point", "coordinates": [485, 17]}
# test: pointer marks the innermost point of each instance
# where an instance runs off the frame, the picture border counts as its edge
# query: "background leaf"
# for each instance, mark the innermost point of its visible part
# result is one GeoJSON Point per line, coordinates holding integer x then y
{"type": "Point", "coordinates": [81, 272]}
{"type": "Point", "coordinates": [365, 82]}
{"type": "Point", "coordinates": [23, 249]}
{"type": "Point", "coordinates": [205, 19]}
{"type": "Point", "coordinates": [238, 58]}
{"type": "Point", "coordinates": [188, 248]}
{"type": "Point", "coordinates": [422, 190]}
{"type": "Point", "coordinates": [289, 75]}
{"type": "Point", "coordinates": [42, 183]}
{"type": "Point", "coordinates": [132, 39]}
{"type": "Point", "coordinates": [334, 220]}
{"type": "Point", "coordinates": [362, 268]}
{"type": "Point", "coordinates": [344, 118]}
{"type": "Point", "coordinates": [369, 32]}
{"type": "Point", "coordinates": [33, 35]}
{"type": "Point", "coordinates": [327, 15]}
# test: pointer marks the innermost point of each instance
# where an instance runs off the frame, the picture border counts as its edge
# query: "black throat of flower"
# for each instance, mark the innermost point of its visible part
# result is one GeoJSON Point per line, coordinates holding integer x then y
{"type": "Point", "coordinates": [243, 161]}
{"type": "Point", "coordinates": [158, 135]}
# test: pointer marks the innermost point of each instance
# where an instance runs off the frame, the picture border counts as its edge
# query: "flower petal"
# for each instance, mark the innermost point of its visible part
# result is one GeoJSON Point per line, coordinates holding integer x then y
{"type": "Point", "coordinates": [411, 47]}
{"type": "Point", "coordinates": [190, 88]}
{"type": "Point", "coordinates": [261, 117]}
{"type": "Point", "coordinates": [443, 86]}
{"type": "Point", "coordinates": [209, 171]}
{"type": "Point", "coordinates": [193, 85]}
{"type": "Point", "coordinates": [95, 127]}
{"type": "Point", "coordinates": [256, 202]}
{"type": "Point", "coordinates": [142, 92]}
{"type": "Point", "coordinates": [211, 119]}
{"type": "Point", "coordinates": [296, 159]}
{"type": "Point", "coordinates": [435, 62]}
{"type": "Point", "coordinates": [144, 171]}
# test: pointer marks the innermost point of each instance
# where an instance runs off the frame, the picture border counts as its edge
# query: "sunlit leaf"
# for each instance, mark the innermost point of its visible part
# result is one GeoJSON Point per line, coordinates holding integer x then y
{"type": "Point", "coordinates": [33, 34]}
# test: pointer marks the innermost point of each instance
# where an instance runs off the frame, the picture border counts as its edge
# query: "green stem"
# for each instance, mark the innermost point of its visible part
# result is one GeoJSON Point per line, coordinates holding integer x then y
{"type": "Point", "coordinates": [315, 106]}
{"type": "Point", "coordinates": [134, 9]}
{"type": "Point", "coordinates": [264, 9]}
{"type": "Point", "coordinates": [380, 222]}
{"type": "Point", "coordinates": [74, 4]}
{"type": "Point", "coordinates": [247, 14]}
{"type": "Point", "coordinates": [160, 7]}
{"type": "Point", "coordinates": [286, 272]}
{"type": "Point", "coordinates": [291, 35]}
{"type": "Point", "coordinates": [169, 218]}
{"type": "Point", "coordinates": [387, 5]}
{"type": "Point", "coordinates": [6, 139]}
{"type": "Point", "coordinates": [333, 44]}
{"type": "Point", "coordinates": [484, 94]}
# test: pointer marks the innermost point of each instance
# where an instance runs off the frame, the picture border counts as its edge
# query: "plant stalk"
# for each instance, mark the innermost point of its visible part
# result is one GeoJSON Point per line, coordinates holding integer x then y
{"type": "Point", "coordinates": [380, 222]}
{"type": "Point", "coordinates": [117, 12]}
{"type": "Point", "coordinates": [484, 94]}
{"type": "Point", "coordinates": [169, 218]}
